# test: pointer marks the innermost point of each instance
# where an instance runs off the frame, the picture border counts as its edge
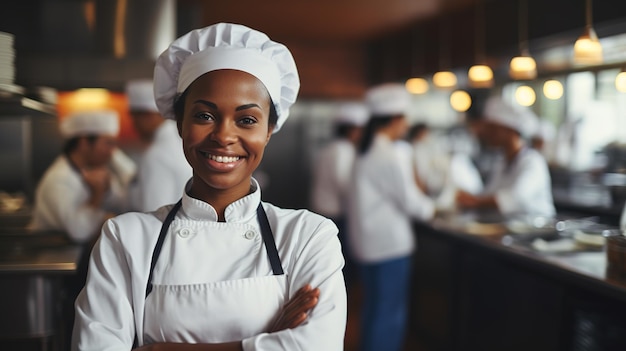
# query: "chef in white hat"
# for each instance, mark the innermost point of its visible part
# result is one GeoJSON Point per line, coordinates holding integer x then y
{"type": "Point", "coordinates": [163, 169]}
{"type": "Point", "coordinates": [78, 192]}
{"type": "Point", "coordinates": [383, 202]}
{"type": "Point", "coordinates": [520, 184]}
{"type": "Point", "coordinates": [220, 269]}
{"type": "Point", "coordinates": [333, 169]}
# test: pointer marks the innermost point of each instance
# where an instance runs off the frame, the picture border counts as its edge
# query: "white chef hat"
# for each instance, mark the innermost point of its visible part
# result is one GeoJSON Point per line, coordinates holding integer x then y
{"type": "Point", "coordinates": [388, 99]}
{"type": "Point", "coordinates": [141, 95]}
{"type": "Point", "coordinates": [98, 122]}
{"type": "Point", "coordinates": [517, 118]}
{"type": "Point", "coordinates": [352, 113]}
{"type": "Point", "coordinates": [226, 46]}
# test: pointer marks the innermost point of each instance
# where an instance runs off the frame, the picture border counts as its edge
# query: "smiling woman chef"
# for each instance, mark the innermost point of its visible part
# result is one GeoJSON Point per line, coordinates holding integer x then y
{"type": "Point", "coordinates": [220, 270]}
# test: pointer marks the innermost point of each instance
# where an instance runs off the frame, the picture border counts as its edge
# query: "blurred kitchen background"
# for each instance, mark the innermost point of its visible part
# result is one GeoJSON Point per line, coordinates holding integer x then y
{"type": "Point", "coordinates": [57, 56]}
{"type": "Point", "coordinates": [67, 54]}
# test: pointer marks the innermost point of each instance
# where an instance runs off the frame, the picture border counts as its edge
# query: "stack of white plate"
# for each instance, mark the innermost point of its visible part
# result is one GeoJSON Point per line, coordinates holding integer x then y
{"type": "Point", "coordinates": [7, 59]}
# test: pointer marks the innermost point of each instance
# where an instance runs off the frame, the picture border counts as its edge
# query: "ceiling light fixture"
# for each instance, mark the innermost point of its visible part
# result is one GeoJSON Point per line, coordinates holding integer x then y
{"type": "Point", "coordinates": [553, 89]}
{"type": "Point", "coordinates": [445, 78]}
{"type": "Point", "coordinates": [525, 95]}
{"type": "Point", "coordinates": [416, 85]}
{"type": "Point", "coordinates": [480, 75]}
{"type": "Point", "coordinates": [620, 81]}
{"type": "Point", "coordinates": [587, 49]}
{"type": "Point", "coordinates": [460, 101]}
{"type": "Point", "coordinates": [523, 66]}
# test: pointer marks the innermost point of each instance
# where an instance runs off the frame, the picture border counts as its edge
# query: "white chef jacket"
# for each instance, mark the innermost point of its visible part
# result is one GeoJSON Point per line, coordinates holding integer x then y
{"type": "Point", "coordinates": [200, 255]}
{"type": "Point", "coordinates": [331, 179]}
{"type": "Point", "coordinates": [61, 202]}
{"type": "Point", "coordinates": [163, 170]}
{"type": "Point", "coordinates": [383, 203]}
{"type": "Point", "coordinates": [524, 187]}
{"type": "Point", "coordinates": [432, 163]}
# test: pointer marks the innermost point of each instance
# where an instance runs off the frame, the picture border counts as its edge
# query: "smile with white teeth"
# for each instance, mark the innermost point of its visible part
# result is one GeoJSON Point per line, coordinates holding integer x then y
{"type": "Point", "coordinates": [222, 159]}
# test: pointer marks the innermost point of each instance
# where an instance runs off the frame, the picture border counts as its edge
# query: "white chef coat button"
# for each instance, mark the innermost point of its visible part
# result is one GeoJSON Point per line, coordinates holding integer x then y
{"type": "Point", "coordinates": [184, 233]}
{"type": "Point", "coordinates": [250, 234]}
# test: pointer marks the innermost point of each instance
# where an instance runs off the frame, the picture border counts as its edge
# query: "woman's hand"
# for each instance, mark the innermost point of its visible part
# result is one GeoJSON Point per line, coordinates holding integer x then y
{"type": "Point", "coordinates": [295, 311]}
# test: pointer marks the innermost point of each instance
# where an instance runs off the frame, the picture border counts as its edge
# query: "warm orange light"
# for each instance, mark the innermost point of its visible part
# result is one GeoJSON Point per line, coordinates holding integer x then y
{"type": "Point", "coordinates": [523, 67]}
{"type": "Point", "coordinates": [460, 101]}
{"type": "Point", "coordinates": [620, 82]}
{"type": "Point", "coordinates": [96, 99]}
{"type": "Point", "coordinates": [417, 85]}
{"type": "Point", "coordinates": [480, 76]}
{"type": "Point", "coordinates": [553, 89]}
{"type": "Point", "coordinates": [444, 79]}
{"type": "Point", "coordinates": [525, 95]}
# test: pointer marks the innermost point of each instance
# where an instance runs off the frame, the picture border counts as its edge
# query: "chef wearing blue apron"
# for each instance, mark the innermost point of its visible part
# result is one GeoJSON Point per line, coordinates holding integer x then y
{"type": "Point", "coordinates": [384, 201]}
{"type": "Point", "coordinates": [220, 269]}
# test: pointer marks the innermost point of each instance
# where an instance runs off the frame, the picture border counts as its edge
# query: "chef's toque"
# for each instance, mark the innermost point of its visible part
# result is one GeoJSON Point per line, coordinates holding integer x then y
{"type": "Point", "coordinates": [352, 113]}
{"type": "Point", "coordinates": [140, 94]}
{"type": "Point", "coordinates": [98, 122]}
{"type": "Point", "coordinates": [388, 99]}
{"type": "Point", "coordinates": [226, 46]}
{"type": "Point", "coordinates": [521, 120]}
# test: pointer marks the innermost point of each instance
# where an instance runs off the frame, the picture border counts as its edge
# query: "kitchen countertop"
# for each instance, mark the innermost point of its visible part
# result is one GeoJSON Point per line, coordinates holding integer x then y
{"type": "Point", "coordinates": [22, 251]}
{"type": "Point", "coordinates": [583, 266]}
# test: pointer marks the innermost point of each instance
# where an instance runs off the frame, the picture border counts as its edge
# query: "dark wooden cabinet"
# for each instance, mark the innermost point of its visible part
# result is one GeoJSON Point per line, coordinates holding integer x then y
{"type": "Point", "coordinates": [473, 295]}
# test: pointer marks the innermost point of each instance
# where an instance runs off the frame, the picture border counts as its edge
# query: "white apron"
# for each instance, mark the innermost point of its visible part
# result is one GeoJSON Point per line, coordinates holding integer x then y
{"type": "Point", "coordinates": [200, 313]}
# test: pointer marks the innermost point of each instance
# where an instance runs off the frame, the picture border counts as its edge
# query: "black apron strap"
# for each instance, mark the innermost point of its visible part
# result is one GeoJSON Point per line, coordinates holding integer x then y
{"type": "Point", "coordinates": [268, 240]}
{"type": "Point", "coordinates": [159, 245]}
{"type": "Point", "coordinates": [266, 234]}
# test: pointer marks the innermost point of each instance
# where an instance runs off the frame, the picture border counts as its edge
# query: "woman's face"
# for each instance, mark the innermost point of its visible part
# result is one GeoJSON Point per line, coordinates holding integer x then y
{"type": "Point", "coordinates": [225, 129]}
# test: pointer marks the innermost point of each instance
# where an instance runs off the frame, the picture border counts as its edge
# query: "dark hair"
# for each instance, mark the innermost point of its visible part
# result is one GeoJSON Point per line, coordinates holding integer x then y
{"type": "Point", "coordinates": [343, 129]}
{"type": "Point", "coordinates": [179, 109]}
{"type": "Point", "coordinates": [416, 129]}
{"type": "Point", "coordinates": [476, 109]}
{"type": "Point", "coordinates": [373, 125]}
{"type": "Point", "coordinates": [72, 143]}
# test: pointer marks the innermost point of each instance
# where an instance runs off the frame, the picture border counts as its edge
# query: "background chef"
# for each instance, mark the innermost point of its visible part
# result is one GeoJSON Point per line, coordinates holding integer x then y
{"type": "Point", "coordinates": [520, 182]}
{"type": "Point", "coordinates": [80, 190]}
{"type": "Point", "coordinates": [332, 172]}
{"type": "Point", "coordinates": [162, 167]}
{"type": "Point", "coordinates": [384, 200]}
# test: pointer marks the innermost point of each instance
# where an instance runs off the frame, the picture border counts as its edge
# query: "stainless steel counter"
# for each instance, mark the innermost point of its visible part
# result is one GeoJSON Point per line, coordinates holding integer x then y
{"type": "Point", "coordinates": [45, 253]}
{"type": "Point", "coordinates": [37, 273]}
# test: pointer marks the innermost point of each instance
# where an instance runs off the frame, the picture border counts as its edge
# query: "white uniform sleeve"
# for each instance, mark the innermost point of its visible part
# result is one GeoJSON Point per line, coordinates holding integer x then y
{"type": "Point", "coordinates": [104, 313]}
{"type": "Point", "coordinates": [524, 188]}
{"type": "Point", "coordinates": [80, 221]}
{"type": "Point", "coordinates": [319, 264]}
{"type": "Point", "coordinates": [407, 195]}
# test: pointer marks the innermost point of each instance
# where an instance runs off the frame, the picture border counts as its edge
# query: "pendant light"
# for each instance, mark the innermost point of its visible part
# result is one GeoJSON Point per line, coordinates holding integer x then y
{"type": "Point", "coordinates": [460, 101]}
{"type": "Point", "coordinates": [553, 89]}
{"type": "Point", "coordinates": [620, 81]}
{"type": "Point", "coordinates": [525, 95]}
{"type": "Point", "coordinates": [523, 66]}
{"type": "Point", "coordinates": [445, 78]}
{"type": "Point", "coordinates": [416, 85]}
{"type": "Point", "coordinates": [480, 75]}
{"type": "Point", "coordinates": [587, 49]}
